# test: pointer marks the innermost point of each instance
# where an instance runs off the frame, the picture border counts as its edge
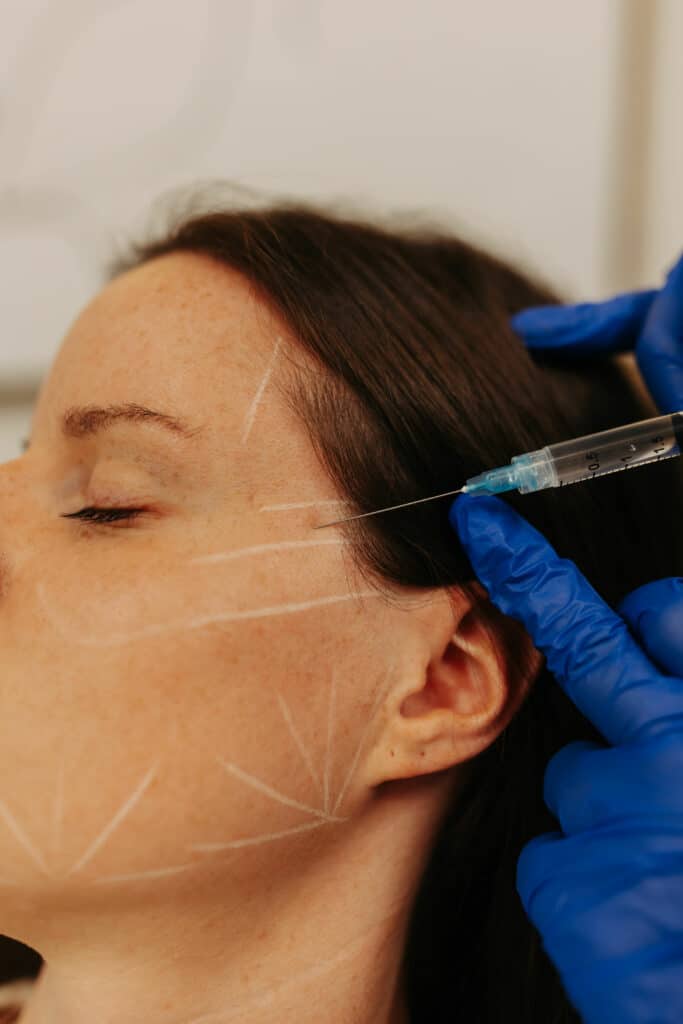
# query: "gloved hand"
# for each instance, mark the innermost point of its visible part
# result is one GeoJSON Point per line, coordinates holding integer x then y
{"type": "Point", "coordinates": [605, 891]}
{"type": "Point", "coordinates": [631, 321]}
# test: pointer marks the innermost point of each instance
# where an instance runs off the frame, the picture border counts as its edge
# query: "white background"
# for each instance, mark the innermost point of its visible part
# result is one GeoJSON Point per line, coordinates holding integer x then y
{"type": "Point", "coordinates": [549, 130]}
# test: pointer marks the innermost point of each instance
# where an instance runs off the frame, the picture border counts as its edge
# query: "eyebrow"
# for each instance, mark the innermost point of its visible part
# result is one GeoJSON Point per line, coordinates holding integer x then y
{"type": "Point", "coordinates": [81, 421]}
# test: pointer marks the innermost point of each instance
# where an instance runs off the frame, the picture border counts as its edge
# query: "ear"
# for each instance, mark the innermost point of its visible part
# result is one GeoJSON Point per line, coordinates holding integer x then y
{"type": "Point", "coordinates": [480, 665]}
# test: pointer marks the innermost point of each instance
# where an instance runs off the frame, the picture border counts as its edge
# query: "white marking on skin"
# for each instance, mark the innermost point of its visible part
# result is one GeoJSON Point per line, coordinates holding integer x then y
{"type": "Point", "coordinates": [160, 873]}
{"type": "Point", "coordinates": [116, 820]}
{"type": "Point", "coordinates": [328, 745]}
{"type": "Point", "coordinates": [19, 834]}
{"type": "Point", "coordinates": [274, 794]}
{"type": "Point", "coordinates": [257, 549]}
{"type": "Point", "coordinates": [381, 692]}
{"type": "Point", "coordinates": [308, 761]}
{"type": "Point", "coordinates": [236, 844]}
{"type": "Point", "coordinates": [117, 639]}
{"type": "Point", "coordinates": [302, 504]}
{"type": "Point", "coordinates": [58, 812]}
{"type": "Point", "coordinates": [322, 816]}
{"type": "Point", "coordinates": [251, 411]}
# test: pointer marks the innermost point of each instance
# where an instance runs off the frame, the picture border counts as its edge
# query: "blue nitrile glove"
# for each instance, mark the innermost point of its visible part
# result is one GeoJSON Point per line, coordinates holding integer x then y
{"type": "Point", "coordinates": [654, 330]}
{"type": "Point", "coordinates": [606, 890]}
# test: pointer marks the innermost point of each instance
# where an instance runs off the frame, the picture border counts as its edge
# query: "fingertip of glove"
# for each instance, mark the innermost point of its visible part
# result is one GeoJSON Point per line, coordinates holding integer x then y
{"type": "Point", "coordinates": [586, 327]}
{"type": "Point", "coordinates": [482, 521]}
{"type": "Point", "coordinates": [466, 512]}
{"type": "Point", "coordinates": [648, 597]}
{"type": "Point", "coordinates": [546, 322]}
{"type": "Point", "coordinates": [676, 271]}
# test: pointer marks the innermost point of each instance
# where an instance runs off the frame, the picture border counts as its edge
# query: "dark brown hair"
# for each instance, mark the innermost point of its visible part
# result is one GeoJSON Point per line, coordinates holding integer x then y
{"type": "Point", "coordinates": [422, 383]}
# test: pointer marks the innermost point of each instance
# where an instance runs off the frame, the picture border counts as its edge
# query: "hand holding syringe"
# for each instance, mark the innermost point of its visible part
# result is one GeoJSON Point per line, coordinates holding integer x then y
{"type": "Point", "coordinates": [584, 458]}
{"type": "Point", "coordinates": [593, 329]}
{"type": "Point", "coordinates": [605, 889]}
{"type": "Point", "coordinates": [568, 462]}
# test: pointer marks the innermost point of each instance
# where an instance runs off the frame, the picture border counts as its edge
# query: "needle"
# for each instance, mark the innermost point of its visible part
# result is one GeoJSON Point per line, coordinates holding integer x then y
{"type": "Point", "coordinates": [389, 509]}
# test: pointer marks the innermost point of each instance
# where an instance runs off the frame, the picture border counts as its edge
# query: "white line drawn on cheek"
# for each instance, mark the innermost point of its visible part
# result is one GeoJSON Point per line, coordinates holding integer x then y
{"type": "Point", "coordinates": [382, 691]}
{"type": "Point", "coordinates": [138, 876]}
{"type": "Point", "coordinates": [323, 815]}
{"type": "Point", "coordinates": [258, 549]}
{"type": "Point", "coordinates": [268, 837]}
{"type": "Point", "coordinates": [19, 834]}
{"type": "Point", "coordinates": [328, 745]}
{"type": "Point", "coordinates": [308, 761]}
{"type": "Point", "coordinates": [251, 411]}
{"type": "Point", "coordinates": [119, 639]}
{"type": "Point", "coordinates": [116, 820]}
{"type": "Point", "coordinates": [99, 841]}
{"type": "Point", "coordinates": [274, 794]}
{"type": "Point", "coordinates": [58, 812]}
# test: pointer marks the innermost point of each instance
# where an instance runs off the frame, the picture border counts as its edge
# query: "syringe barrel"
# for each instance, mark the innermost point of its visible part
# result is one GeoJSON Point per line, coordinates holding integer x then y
{"type": "Point", "coordinates": [584, 458]}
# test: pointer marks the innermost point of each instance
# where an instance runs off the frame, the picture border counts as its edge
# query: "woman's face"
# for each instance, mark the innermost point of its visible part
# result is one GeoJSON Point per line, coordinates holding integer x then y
{"type": "Point", "coordinates": [191, 687]}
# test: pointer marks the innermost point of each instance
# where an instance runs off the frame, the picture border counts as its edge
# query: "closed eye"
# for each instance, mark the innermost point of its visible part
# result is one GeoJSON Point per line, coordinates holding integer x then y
{"type": "Point", "coordinates": [105, 515]}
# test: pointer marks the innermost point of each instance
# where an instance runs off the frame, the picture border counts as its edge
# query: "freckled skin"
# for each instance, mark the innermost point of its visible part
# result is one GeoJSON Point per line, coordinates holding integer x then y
{"type": "Point", "coordinates": [179, 781]}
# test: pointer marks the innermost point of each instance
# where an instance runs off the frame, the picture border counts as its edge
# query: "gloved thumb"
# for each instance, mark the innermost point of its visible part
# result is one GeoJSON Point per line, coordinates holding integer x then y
{"type": "Point", "coordinates": [654, 613]}
{"type": "Point", "coordinates": [588, 328]}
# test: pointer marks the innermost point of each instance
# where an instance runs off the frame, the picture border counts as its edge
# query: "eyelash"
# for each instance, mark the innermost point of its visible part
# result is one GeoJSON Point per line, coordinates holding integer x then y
{"type": "Point", "coordinates": [105, 515]}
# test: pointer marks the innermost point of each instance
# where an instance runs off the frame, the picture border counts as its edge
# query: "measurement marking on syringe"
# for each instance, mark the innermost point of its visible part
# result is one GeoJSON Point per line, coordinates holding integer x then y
{"type": "Point", "coordinates": [619, 469]}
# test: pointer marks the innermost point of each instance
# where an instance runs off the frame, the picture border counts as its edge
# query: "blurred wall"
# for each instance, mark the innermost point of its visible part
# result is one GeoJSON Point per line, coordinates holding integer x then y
{"type": "Point", "coordinates": [663, 207]}
{"type": "Point", "coordinates": [547, 130]}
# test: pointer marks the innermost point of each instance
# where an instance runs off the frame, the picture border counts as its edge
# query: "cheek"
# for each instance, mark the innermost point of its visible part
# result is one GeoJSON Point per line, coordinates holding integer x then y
{"type": "Point", "coordinates": [106, 604]}
{"type": "Point", "coordinates": [221, 704]}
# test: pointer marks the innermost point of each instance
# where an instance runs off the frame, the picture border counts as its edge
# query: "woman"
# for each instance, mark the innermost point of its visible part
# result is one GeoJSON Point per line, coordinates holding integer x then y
{"type": "Point", "coordinates": [284, 774]}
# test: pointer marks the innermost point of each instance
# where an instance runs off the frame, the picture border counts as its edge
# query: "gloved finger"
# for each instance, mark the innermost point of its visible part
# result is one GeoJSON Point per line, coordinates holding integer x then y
{"type": "Point", "coordinates": [655, 614]}
{"type": "Point", "coordinates": [659, 349]}
{"type": "Point", "coordinates": [537, 865]}
{"type": "Point", "coordinates": [588, 647]}
{"type": "Point", "coordinates": [569, 785]}
{"type": "Point", "coordinates": [588, 786]}
{"type": "Point", "coordinates": [567, 884]}
{"type": "Point", "coordinates": [587, 328]}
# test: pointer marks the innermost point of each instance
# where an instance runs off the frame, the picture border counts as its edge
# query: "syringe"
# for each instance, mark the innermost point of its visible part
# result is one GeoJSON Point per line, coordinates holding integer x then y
{"type": "Point", "coordinates": [568, 462]}
{"type": "Point", "coordinates": [584, 458]}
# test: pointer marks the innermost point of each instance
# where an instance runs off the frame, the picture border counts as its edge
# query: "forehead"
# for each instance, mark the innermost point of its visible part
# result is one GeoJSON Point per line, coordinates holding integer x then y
{"type": "Point", "coordinates": [186, 335]}
{"type": "Point", "coordinates": [181, 327]}
{"type": "Point", "coordinates": [181, 332]}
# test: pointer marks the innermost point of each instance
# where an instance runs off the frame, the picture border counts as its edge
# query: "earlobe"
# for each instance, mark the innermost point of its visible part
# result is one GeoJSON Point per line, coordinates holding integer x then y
{"type": "Point", "coordinates": [465, 697]}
